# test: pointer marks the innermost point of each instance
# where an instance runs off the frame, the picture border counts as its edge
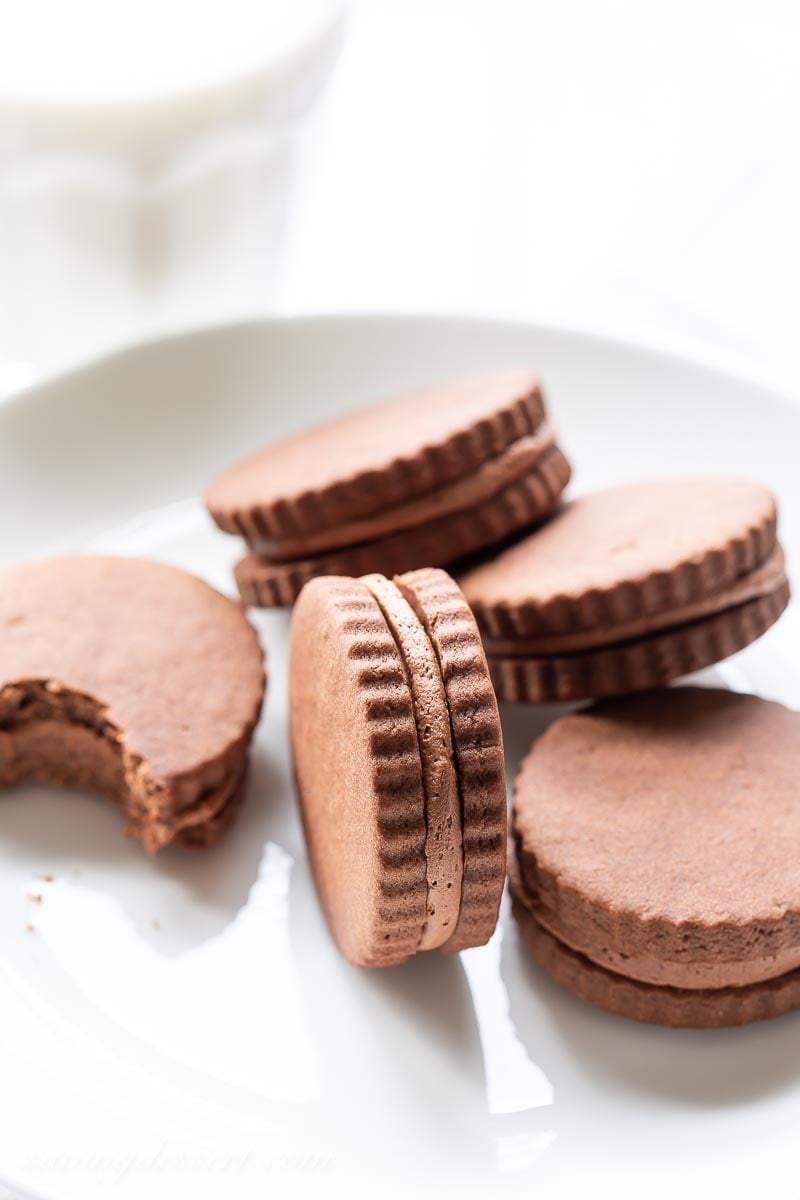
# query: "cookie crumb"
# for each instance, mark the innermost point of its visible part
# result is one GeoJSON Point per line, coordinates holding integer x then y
{"type": "Point", "coordinates": [36, 897]}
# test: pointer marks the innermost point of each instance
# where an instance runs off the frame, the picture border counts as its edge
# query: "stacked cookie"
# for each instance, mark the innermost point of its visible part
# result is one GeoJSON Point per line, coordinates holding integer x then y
{"type": "Point", "coordinates": [655, 861]}
{"type": "Point", "coordinates": [629, 588]}
{"type": "Point", "coordinates": [617, 591]}
{"type": "Point", "coordinates": [420, 480]}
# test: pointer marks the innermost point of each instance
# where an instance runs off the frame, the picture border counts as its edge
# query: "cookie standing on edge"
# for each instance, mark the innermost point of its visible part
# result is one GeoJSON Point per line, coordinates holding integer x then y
{"type": "Point", "coordinates": [399, 764]}
{"type": "Point", "coordinates": [132, 679]}
{"type": "Point", "coordinates": [417, 481]}
{"type": "Point", "coordinates": [655, 868]}
{"type": "Point", "coordinates": [629, 588]}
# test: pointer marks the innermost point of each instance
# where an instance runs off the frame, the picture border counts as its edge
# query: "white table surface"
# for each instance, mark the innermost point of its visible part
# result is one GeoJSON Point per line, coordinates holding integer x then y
{"type": "Point", "coordinates": [624, 167]}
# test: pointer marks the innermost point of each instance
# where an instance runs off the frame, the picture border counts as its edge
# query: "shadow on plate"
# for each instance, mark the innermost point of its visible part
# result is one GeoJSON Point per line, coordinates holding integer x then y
{"type": "Point", "coordinates": [57, 832]}
{"type": "Point", "coordinates": [522, 725]}
{"type": "Point", "coordinates": [585, 1049]}
{"type": "Point", "coordinates": [393, 1045]}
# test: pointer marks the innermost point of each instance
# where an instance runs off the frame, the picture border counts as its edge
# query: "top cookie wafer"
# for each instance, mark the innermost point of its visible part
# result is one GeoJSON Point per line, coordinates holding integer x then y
{"type": "Point", "coordinates": [376, 458]}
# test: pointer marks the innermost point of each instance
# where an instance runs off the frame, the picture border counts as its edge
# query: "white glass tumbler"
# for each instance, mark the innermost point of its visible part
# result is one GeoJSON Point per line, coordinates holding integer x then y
{"type": "Point", "coordinates": [146, 162]}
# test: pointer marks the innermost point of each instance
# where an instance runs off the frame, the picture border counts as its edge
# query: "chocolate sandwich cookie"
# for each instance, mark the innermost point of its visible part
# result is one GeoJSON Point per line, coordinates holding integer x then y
{"type": "Point", "coordinates": [418, 481]}
{"type": "Point", "coordinates": [399, 764]}
{"type": "Point", "coordinates": [655, 865]}
{"type": "Point", "coordinates": [626, 589]}
{"type": "Point", "coordinates": [131, 679]}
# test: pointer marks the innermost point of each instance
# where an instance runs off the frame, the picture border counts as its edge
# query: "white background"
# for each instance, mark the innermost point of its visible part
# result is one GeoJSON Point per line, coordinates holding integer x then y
{"type": "Point", "coordinates": [617, 165]}
{"type": "Point", "coordinates": [620, 166]}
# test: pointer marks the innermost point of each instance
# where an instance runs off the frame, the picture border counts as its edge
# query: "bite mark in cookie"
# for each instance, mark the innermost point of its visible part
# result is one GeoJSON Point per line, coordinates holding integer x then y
{"type": "Point", "coordinates": [131, 679]}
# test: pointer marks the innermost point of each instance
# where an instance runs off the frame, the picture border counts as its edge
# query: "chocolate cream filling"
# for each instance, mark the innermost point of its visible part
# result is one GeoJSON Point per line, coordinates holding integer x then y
{"type": "Point", "coordinates": [443, 820]}
{"type": "Point", "coordinates": [702, 967]}
{"type": "Point", "coordinates": [767, 578]}
{"type": "Point", "coordinates": [53, 735]}
{"type": "Point", "coordinates": [518, 460]}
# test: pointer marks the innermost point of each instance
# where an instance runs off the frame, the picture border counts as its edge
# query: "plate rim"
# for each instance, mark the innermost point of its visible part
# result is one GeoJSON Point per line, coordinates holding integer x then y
{"type": "Point", "coordinates": [37, 390]}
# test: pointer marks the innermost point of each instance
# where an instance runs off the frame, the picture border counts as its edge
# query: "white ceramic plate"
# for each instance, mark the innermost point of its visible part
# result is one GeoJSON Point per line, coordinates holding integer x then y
{"type": "Point", "coordinates": [182, 1026]}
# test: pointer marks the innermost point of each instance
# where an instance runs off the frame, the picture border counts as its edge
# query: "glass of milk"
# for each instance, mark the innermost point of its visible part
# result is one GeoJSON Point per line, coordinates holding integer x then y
{"type": "Point", "coordinates": [146, 162]}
